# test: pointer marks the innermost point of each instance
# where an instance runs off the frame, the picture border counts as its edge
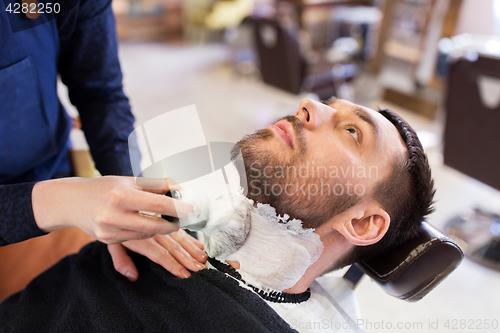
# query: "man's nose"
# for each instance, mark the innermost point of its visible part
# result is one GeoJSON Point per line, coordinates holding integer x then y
{"type": "Point", "coordinates": [311, 113]}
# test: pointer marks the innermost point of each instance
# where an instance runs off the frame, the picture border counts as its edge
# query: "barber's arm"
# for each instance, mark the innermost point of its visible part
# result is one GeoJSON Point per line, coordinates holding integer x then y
{"type": "Point", "coordinates": [16, 214]}
{"type": "Point", "coordinates": [108, 209]}
{"type": "Point", "coordinates": [89, 66]}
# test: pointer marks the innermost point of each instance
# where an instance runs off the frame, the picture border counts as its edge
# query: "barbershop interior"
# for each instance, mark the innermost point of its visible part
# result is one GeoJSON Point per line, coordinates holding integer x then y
{"type": "Point", "coordinates": [243, 64]}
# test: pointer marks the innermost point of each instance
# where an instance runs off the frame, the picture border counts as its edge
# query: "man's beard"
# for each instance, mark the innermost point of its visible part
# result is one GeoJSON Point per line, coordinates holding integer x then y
{"type": "Point", "coordinates": [278, 180]}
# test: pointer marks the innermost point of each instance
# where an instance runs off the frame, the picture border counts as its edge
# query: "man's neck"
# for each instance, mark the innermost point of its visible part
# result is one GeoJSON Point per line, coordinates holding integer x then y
{"type": "Point", "coordinates": [335, 246]}
{"type": "Point", "coordinates": [315, 270]}
{"type": "Point", "coordinates": [331, 254]}
{"type": "Point", "coordinates": [301, 286]}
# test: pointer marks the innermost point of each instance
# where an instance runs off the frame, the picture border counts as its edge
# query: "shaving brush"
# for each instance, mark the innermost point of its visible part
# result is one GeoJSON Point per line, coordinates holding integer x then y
{"type": "Point", "coordinates": [225, 222]}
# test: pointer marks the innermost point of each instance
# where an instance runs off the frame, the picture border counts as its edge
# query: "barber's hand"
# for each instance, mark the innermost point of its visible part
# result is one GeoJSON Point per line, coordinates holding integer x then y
{"type": "Point", "coordinates": [177, 253]}
{"type": "Point", "coordinates": [106, 208]}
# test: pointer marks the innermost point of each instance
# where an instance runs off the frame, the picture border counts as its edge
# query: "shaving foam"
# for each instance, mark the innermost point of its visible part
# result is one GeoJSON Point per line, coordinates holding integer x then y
{"type": "Point", "coordinates": [277, 251]}
{"type": "Point", "coordinates": [225, 222]}
{"type": "Point", "coordinates": [273, 251]}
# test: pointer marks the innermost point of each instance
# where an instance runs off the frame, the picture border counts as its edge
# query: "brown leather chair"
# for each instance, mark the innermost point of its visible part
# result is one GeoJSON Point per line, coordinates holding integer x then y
{"type": "Point", "coordinates": [412, 270]}
{"type": "Point", "coordinates": [471, 133]}
{"type": "Point", "coordinates": [472, 146]}
{"type": "Point", "coordinates": [283, 66]}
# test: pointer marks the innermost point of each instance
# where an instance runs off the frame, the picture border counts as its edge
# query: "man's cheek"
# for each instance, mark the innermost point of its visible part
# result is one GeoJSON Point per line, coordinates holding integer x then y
{"type": "Point", "coordinates": [255, 188]}
{"type": "Point", "coordinates": [255, 170]}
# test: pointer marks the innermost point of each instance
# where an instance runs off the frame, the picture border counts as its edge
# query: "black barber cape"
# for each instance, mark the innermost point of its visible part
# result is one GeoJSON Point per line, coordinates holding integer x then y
{"type": "Point", "coordinates": [84, 293]}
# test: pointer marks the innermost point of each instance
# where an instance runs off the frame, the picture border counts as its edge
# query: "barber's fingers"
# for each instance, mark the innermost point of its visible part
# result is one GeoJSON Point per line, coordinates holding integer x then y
{"type": "Point", "coordinates": [156, 185]}
{"type": "Point", "coordinates": [116, 235]}
{"type": "Point", "coordinates": [160, 255]}
{"type": "Point", "coordinates": [122, 262]}
{"type": "Point", "coordinates": [123, 227]}
{"type": "Point", "coordinates": [137, 200]}
{"type": "Point", "coordinates": [191, 245]}
{"type": "Point", "coordinates": [187, 254]}
{"type": "Point", "coordinates": [117, 228]}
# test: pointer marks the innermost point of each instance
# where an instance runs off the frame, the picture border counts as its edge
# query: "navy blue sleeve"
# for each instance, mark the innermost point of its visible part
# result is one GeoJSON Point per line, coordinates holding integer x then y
{"type": "Point", "coordinates": [17, 222]}
{"type": "Point", "coordinates": [90, 68]}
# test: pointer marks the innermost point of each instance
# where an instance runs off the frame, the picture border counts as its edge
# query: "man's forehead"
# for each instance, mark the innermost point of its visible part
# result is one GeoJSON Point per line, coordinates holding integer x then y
{"type": "Point", "coordinates": [342, 103]}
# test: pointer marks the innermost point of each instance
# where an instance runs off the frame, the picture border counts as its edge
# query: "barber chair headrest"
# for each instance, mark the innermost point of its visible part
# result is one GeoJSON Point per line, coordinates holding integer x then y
{"type": "Point", "coordinates": [413, 269]}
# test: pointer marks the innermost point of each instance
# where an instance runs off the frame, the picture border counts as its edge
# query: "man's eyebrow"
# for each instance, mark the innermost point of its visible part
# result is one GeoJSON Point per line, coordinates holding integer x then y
{"type": "Point", "coordinates": [330, 100]}
{"type": "Point", "coordinates": [367, 118]}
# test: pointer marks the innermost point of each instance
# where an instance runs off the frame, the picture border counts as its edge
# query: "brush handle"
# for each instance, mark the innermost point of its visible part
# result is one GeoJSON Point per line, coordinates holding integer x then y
{"type": "Point", "coordinates": [175, 195]}
{"type": "Point", "coordinates": [201, 203]}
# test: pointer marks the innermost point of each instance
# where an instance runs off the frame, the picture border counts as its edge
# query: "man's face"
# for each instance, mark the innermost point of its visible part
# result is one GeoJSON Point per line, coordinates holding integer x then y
{"type": "Point", "coordinates": [321, 161]}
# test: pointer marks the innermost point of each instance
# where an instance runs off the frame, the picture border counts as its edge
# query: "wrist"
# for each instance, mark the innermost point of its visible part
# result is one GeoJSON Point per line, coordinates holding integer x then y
{"type": "Point", "coordinates": [51, 201]}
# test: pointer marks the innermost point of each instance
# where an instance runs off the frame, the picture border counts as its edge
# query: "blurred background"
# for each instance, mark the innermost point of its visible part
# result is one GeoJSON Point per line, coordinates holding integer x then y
{"type": "Point", "coordinates": [244, 63]}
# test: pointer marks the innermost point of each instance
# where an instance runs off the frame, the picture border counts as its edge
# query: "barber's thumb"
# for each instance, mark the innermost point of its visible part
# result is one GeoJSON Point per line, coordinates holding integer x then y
{"type": "Point", "coordinates": [122, 262]}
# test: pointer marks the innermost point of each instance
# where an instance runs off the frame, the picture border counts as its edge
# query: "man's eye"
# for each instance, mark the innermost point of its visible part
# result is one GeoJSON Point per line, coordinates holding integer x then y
{"type": "Point", "coordinates": [353, 132]}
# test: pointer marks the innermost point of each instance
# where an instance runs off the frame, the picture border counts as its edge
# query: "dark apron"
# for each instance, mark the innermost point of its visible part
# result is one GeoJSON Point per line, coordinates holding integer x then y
{"type": "Point", "coordinates": [34, 127]}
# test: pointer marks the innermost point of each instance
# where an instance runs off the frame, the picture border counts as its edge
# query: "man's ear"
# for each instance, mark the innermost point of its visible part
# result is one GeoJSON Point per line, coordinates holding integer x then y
{"type": "Point", "coordinates": [363, 224]}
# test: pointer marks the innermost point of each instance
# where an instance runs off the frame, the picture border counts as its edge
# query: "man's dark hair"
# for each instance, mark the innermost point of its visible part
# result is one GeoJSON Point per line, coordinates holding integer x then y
{"type": "Point", "coordinates": [406, 195]}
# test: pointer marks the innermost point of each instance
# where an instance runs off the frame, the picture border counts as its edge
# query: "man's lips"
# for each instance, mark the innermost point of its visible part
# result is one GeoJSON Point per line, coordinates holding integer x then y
{"type": "Point", "coordinates": [284, 130]}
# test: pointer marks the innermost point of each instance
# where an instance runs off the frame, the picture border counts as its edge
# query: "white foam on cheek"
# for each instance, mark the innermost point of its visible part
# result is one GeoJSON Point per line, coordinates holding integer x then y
{"type": "Point", "coordinates": [277, 252]}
